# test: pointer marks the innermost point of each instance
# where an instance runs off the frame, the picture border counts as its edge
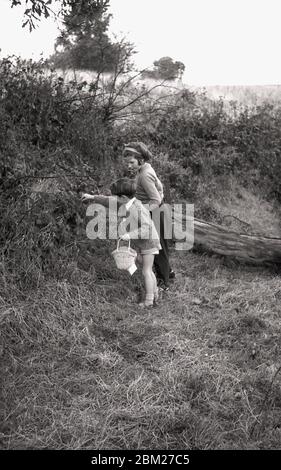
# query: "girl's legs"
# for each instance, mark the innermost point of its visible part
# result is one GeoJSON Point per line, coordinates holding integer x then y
{"type": "Point", "coordinates": [161, 261]}
{"type": "Point", "coordinates": [150, 283]}
{"type": "Point", "coordinates": [155, 288]}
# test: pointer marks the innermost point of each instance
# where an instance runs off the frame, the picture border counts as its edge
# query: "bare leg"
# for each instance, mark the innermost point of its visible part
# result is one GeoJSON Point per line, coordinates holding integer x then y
{"type": "Point", "coordinates": [149, 279]}
{"type": "Point", "coordinates": [155, 288]}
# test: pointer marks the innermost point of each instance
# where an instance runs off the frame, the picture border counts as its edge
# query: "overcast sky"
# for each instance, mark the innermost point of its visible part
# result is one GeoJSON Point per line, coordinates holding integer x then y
{"type": "Point", "coordinates": [222, 42]}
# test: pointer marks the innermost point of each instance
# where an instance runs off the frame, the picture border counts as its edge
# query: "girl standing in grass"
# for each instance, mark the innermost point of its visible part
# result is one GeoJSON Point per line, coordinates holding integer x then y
{"type": "Point", "coordinates": [149, 190]}
{"type": "Point", "coordinates": [143, 232]}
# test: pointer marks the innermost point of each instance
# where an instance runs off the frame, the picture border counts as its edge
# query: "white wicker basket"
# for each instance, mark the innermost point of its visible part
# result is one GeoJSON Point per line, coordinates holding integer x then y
{"type": "Point", "coordinates": [124, 256]}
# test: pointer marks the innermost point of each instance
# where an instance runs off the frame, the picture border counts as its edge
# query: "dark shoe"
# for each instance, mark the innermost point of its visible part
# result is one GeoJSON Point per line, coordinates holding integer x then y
{"type": "Point", "coordinates": [163, 287]}
{"type": "Point", "coordinates": [172, 274]}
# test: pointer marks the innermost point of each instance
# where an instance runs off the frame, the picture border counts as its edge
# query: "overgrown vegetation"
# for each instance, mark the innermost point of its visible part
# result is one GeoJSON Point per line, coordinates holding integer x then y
{"type": "Point", "coordinates": [83, 367]}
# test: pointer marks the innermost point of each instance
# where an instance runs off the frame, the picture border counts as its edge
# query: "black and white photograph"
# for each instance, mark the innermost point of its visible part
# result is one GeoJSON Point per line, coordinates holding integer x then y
{"type": "Point", "coordinates": [140, 237]}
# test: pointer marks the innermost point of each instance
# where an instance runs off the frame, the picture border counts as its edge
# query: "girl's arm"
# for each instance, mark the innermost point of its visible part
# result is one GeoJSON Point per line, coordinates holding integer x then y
{"type": "Point", "coordinates": [87, 197]}
{"type": "Point", "coordinates": [106, 201]}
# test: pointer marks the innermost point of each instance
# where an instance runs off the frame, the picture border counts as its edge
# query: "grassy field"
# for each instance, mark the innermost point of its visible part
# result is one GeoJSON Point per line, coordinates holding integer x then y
{"type": "Point", "coordinates": [246, 95]}
{"type": "Point", "coordinates": [85, 368]}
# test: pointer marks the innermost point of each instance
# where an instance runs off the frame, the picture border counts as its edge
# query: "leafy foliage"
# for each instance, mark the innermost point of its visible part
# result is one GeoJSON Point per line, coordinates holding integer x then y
{"type": "Point", "coordinates": [36, 9]}
{"type": "Point", "coordinates": [43, 113]}
{"type": "Point", "coordinates": [213, 143]}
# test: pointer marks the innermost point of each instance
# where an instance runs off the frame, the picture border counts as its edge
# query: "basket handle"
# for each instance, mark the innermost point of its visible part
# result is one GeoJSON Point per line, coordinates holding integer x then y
{"type": "Point", "coordinates": [119, 240]}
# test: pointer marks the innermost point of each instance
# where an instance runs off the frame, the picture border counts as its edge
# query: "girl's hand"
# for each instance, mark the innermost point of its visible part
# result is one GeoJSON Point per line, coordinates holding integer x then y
{"type": "Point", "coordinates": [87, 197]}
{"type": "Point", "coordinates": [125, 237]}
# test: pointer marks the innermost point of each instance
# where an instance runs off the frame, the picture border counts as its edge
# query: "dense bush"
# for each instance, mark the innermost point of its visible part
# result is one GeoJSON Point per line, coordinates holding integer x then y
{"type": "Point", "coordinates": [210, 143]}
{"type": "Point", "coordinates": [53, 145]}
{"type": "Point", "coordinates": [32, 102]}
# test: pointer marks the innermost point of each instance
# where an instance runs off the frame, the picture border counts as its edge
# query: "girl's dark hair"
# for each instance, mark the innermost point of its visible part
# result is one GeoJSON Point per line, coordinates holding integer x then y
{"type": "Point", "coordinates": [141, 148]}
{"type": "Point", "coordinates": [124, 187]}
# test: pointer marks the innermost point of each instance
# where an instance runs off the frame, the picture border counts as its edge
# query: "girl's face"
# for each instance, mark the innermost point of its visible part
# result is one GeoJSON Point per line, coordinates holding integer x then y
{"type": "Point", "coordinates": [131, 163]}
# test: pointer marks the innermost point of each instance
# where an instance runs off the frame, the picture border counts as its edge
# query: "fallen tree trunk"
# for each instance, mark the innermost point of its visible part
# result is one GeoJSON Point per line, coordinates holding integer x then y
{"type": "Point", "coordinates": [250, 248]}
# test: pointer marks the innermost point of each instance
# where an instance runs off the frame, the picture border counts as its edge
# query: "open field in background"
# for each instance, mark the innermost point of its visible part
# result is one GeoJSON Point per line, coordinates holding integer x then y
{"type": "Point", "coordinates": [89, 76]}
{"type": "Point", "coordinates": [248, 95]}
